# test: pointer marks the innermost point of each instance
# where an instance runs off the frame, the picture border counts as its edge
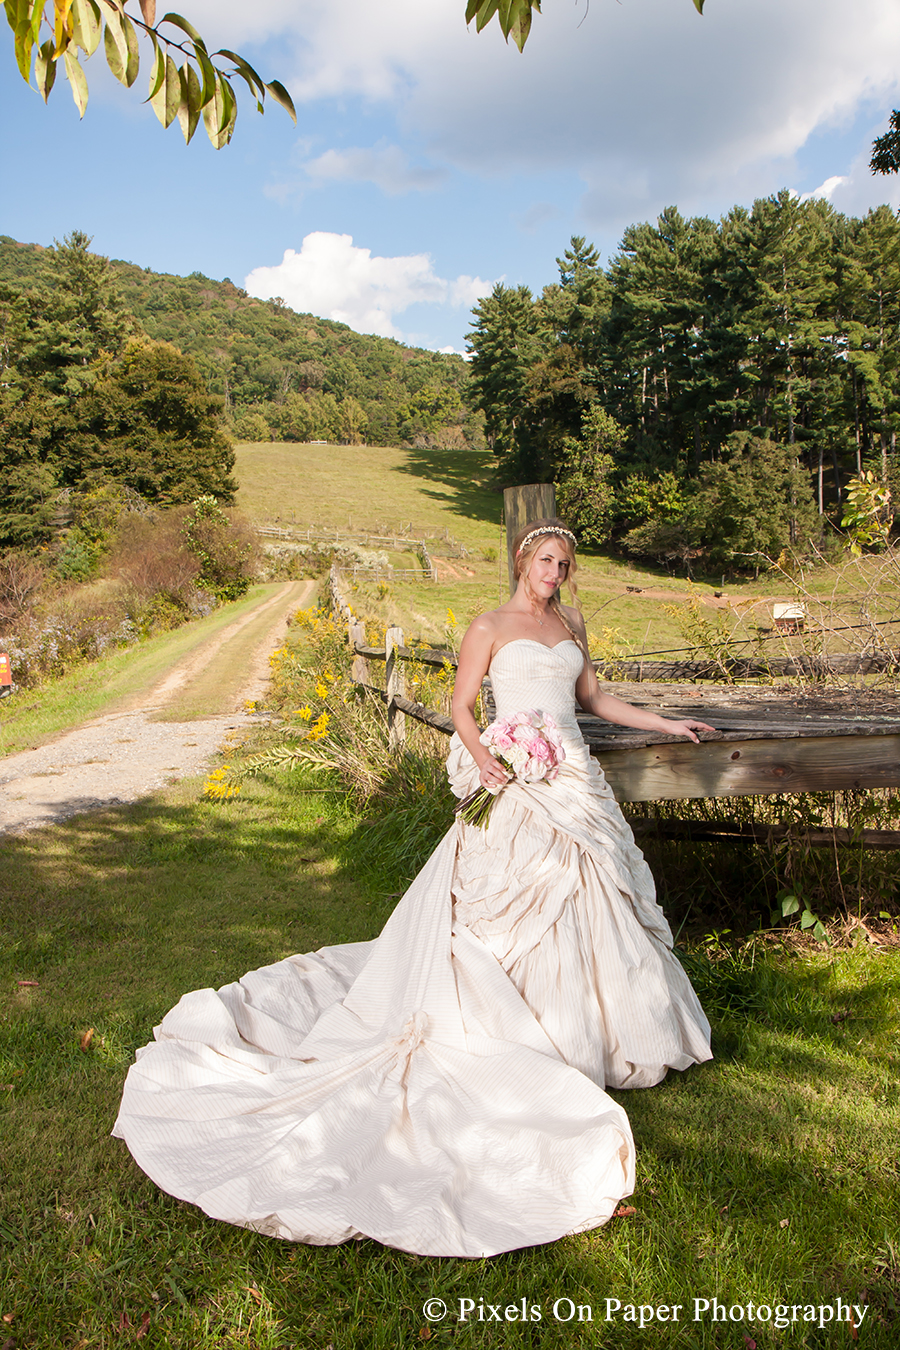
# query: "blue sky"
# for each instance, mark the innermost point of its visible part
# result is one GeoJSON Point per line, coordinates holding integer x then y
{"type": "Point", "coordinates": [430, 161]}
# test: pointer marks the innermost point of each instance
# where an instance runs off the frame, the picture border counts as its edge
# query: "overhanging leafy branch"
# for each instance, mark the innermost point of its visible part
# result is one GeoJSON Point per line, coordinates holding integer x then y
{"type": "Point", "coordinates": [186, 80]}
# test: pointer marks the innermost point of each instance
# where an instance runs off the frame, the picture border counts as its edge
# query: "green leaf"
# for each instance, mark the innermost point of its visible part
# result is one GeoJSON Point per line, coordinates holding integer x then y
{"type": "Point", "coordinates": [189, 108]}
{"type": "Point", "coordinates": [45, 69]}
{"type": "Point", "coordinates": [208, 71]}
{"type": "Point", "coordinates": [77, 81]}
{"type": "Point", "coordinates": [698, 5]}
{"type": "Point", "coordinates": [789, 905]}
{"type": "Point", "coordinates": [87, 26]}
{"type": "Point", "coordinates": [484, 13]}
{"type": "Point", "coordinates": [521, 27]}
{"type": "Point", "coordinates": [167, 99]}
{"type": "Point", "coordinates": [245, 70]}
{"type": "Point", "coordinates": [281, 96]}
{"type": "Point", "coordinates": [24, 45]}
{"type": "Point", "coordinates": [115, 44]}
{"type": "Point", "coordinates": [808, 919]}
{"type": "Point", "coordinates": [183, 24]}
{"type": "Point", "coordinates": [214, 114]}
{"type": "Point", "coordinates": [134, 55]}
{"type": "Point", "coordinates": [158, 73]}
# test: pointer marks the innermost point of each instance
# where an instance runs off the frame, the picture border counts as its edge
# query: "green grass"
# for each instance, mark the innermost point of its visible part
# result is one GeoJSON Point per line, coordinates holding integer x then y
{"type": "Point", "coordinates": [116, 914]}
{"type": "Point", "coordinates": [370, 487]}
{"type": "Point", "coordinates": [33, 716]}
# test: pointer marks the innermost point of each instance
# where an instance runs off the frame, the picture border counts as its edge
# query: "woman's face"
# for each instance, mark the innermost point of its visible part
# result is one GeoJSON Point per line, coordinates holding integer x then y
{"type": "Point", "coordinates": [549, 567]}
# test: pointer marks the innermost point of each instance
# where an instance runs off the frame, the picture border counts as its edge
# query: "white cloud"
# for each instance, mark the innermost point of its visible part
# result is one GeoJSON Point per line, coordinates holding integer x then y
{"type": "Point", "coordinates": [387, 166]}
{"type": "Point", "coordinates": [334, 279]}
{"type": "Point", "coordinates": [650, 103]}
{"type": "Point", "coordinates": [826, 189]}
{"type": "Point", "coordinates": [855, 192]}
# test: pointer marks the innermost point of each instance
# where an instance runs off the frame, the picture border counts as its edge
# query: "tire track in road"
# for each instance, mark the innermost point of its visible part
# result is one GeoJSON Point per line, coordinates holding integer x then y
{"type": "Point", "coordinates": [136, 750]}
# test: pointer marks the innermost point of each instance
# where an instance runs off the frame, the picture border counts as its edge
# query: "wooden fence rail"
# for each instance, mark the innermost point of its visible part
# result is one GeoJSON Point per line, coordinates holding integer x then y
{"type": "Point", "coordinates": [762, 744]}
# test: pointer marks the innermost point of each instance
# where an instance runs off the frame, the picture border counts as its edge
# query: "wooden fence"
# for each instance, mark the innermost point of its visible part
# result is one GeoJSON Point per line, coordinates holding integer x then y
{"type": "Point", "coordinates": [762, 744]}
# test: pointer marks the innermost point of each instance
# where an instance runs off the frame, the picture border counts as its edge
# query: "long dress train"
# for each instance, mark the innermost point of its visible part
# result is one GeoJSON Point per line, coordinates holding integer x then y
{"type": "Point", "coordinates": [440, 1089]}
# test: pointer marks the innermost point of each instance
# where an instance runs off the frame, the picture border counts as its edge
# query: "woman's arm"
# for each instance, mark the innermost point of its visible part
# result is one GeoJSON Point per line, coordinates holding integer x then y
{"type": "Point", "coordinates": [474, 659]}
{"type": "Point", "coordinates": [611, 709]}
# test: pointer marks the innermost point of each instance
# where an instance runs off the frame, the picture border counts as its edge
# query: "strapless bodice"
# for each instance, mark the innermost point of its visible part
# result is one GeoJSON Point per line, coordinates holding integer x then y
{"type": "Point", "coordinates": [527, 674]}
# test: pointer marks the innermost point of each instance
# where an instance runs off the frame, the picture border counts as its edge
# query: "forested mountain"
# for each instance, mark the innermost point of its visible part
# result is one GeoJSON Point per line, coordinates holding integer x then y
{"type": "Point", "coordinates": [730, 361]}
{"type": "Point", "coordinates": [279, 374]}
{"type": "Point", "coordinates": [88, 401]}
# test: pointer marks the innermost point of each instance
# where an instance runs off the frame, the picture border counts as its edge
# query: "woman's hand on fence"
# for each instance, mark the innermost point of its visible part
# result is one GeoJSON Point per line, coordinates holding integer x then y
{"type": "Point", "coordinates": [686, 728]}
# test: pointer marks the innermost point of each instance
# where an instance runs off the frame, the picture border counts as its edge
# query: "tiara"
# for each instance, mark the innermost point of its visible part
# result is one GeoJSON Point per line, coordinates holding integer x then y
{"type": "Point", "coordinates": [546, 529]}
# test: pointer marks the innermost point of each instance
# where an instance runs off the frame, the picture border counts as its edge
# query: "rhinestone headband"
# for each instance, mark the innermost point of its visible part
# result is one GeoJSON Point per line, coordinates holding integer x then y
{"type": "Point", "coordinates": [546, 529]}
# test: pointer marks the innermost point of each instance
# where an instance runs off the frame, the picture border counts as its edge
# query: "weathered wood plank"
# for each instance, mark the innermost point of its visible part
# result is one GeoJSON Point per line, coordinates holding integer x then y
{"type": "Point", "coordinates": [728, 768]}
{"type": "Point", "coordinates": [423, 714]}
{"type": "Point", "coordinates": [429, 656]}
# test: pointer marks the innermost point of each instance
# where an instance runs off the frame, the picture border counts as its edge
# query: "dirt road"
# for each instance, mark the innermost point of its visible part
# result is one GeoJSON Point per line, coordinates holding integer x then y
{"type": "Point", "coordinates": [134, 750]}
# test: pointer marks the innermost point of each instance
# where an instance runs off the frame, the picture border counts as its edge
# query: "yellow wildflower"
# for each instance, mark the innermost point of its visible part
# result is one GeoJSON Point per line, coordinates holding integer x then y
{"type": "Point", "coordinates": [305, 713]}
{"type": "Point", "coordinates": [452, 618]}
{"type": "Point", "coordinates": [322, 689]}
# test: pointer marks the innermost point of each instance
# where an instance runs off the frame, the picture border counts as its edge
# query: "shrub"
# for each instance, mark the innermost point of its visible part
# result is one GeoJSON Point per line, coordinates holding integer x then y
{"type": "Point", "coordinates": [225, 546]}
{"type": "Point", "coordinates": [21, 581]}
{"type": "Point", "coordinates": [250, 425]}
{"type": "Point", "coordinates": [157, 573]}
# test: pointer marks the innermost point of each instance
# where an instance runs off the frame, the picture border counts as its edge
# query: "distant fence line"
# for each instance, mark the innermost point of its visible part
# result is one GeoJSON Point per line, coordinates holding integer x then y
{"type": "Point", "coordinates": [403, 543]}
{"type": "Point", "coordinates": [427, 572]}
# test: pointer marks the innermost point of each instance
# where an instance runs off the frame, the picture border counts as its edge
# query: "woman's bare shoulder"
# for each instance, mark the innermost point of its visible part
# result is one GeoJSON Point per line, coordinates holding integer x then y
{"type": "Point", "coordinates": [484, 625]}
{"type": "Point", "coordinates": [574, 616]}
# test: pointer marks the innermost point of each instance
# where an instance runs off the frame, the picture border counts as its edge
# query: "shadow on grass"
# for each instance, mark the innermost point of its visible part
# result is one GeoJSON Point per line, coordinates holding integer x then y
{"type": "Point", "coordinates": [113, 916]}
{"type": "Point", "coordinates": [469, 476]}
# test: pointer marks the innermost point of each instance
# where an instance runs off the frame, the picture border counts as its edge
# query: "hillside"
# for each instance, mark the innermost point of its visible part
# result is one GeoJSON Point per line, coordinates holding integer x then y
{"type": "Point", "coordinates": [281, 368]}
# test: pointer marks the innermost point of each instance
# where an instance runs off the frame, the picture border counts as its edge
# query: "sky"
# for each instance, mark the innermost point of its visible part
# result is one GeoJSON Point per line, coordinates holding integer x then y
{"type": "Point", "coordinates": [430, 162]}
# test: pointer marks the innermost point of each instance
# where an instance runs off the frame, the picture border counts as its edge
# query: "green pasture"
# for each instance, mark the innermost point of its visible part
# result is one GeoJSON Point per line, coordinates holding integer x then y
{"type": "Point", "coordinates": [371, 488]}
{"type": "Point", "coordinates": [453, 492]}
{"type": "Point", "coordinates": [768, 1176]}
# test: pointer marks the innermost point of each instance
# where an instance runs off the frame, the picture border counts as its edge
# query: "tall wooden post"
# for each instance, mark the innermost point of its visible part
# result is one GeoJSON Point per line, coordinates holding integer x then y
{"type": "Point", "coordinates": [537, 501]}
{"type": "Point", "coordinates": [395, 685]}
{"type": "Point", "coordinates": [359, 671]}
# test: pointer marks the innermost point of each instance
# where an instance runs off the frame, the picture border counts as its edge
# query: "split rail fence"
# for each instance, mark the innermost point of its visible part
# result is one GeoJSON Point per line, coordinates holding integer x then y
{"type": "Point", "coordinates": [763, 743]}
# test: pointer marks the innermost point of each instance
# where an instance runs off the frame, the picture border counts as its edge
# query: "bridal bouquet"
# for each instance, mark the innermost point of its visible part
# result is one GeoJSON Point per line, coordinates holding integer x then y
{"type": "Point", "coordinates": [528, 745]}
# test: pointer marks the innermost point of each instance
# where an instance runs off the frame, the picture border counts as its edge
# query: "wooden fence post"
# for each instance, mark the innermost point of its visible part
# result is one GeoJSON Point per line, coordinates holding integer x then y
{"type": "Point", "coordinates": [395, 685]}
{"type": "Point", "coordinates": [520, 505]}
{"type": "Point", "coordinates": [359, 671]}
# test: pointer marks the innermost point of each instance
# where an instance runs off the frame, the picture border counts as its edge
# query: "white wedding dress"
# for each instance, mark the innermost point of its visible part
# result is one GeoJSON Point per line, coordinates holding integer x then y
{"type": "Point", "coordinates": [440, 1089]}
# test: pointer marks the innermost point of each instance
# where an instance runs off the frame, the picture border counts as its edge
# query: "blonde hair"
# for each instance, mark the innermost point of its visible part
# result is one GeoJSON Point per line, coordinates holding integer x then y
{"type": "Point", "coordinates": [542, 530]}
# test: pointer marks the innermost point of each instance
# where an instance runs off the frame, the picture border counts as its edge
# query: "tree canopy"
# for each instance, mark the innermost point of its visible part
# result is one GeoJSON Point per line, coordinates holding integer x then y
{"type": "Point", "coordinates": [709, 364]}
{"type": "Point", "coordinates": [88, 399]}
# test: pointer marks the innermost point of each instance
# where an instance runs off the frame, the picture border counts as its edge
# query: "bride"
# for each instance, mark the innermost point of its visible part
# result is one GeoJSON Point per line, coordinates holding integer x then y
{"type": "Point", "coordinates": [441, 1088]}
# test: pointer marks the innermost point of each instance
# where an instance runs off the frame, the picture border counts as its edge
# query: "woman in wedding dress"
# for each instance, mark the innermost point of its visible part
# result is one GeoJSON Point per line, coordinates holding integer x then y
{"type": "Point", "coordinates": [441, 1088]}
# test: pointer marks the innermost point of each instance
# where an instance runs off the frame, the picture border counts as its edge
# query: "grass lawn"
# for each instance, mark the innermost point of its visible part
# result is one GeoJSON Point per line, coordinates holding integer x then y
{"type": "Point", "coordinates": [371, 487]}
{"type": "Point", "coordinates": [768, 1176]}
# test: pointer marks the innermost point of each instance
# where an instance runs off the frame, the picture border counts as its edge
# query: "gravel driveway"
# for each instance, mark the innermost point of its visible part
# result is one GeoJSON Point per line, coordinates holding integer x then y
{"type": "Point", "coordinates": [129, 754]}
